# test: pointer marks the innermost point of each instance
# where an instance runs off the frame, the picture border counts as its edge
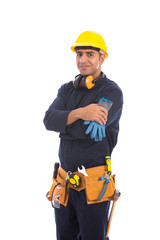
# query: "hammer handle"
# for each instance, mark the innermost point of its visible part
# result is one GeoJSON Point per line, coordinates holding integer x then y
{"type": "Point", "coordinates": [110, 218]}
{"type": "Point", "coordinates": [56, 166]}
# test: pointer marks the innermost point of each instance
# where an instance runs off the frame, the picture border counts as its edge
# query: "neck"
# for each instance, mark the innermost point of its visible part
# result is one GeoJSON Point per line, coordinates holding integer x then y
{"type": "Point", "coordinates": [97, 74]}
{"type": "Point", "coordinates": [96, 78]}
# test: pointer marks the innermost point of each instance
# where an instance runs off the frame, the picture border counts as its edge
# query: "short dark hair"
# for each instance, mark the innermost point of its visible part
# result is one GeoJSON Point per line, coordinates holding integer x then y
{"type": "Point", "coordinates": [87, 47]}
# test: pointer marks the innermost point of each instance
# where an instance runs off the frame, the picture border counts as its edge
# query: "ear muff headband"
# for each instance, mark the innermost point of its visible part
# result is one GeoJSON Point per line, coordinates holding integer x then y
{"type": "Point", "coordinates": [77, 80]}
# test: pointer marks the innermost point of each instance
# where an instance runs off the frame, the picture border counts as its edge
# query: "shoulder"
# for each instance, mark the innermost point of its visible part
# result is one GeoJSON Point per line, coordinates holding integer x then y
{"type": "Point", "coordinates": [65, 87]}
{"type": "Point", "coordinates": [112, 90]}
{"type": "Point", "coordinates": [111, 85]}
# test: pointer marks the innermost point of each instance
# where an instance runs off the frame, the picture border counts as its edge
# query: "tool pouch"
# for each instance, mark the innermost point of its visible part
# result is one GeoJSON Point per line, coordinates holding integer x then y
{"type": "Point", "coordinates": [54, 192]}
{"type": "Point", "coordinates": [95, 186]}
{"type": "Point", "coordinates": [62, 181]}
{"type": "Point", "coordinates": [58, 191]}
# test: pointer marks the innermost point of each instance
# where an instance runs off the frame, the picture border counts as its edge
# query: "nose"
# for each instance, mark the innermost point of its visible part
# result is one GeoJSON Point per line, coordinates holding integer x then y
{"type": "Point", "coordinates": [83, 58]}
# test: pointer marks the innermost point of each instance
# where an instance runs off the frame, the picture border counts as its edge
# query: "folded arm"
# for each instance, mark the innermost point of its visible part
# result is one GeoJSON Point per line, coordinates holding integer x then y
{"type": "Point", "coordinates": [92, 112]}
{"type": "Point", "coordinates": [56, 116]}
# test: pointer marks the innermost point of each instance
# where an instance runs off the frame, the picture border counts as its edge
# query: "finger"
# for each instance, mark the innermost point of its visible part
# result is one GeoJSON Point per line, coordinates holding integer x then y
{"type": "Point", "coordinates": [103, 131]}
{"type": "Point", "coordinates": [89, 128]}
{"type": "Point", "coordinates": [103, 115]}
{"type": "Point", "coordinates": [99, 121]}
{"type": "Point", "coordinates": [102, 109]}
{"type": "Point", "coordinates": [86, 122]}
{"type": "Point", "coordinates": [94, 131]}
{"type": "Point", "coordinates": [96, 139]}
{"type": "Point", "coordinates": [99, 134]}
{"type": "Point", "coordinates": [102, 119]}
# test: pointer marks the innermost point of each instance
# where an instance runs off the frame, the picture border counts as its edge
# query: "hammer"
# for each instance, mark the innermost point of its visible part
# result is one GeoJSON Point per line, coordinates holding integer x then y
{"type": "Point", "coordinates": [116, 196]}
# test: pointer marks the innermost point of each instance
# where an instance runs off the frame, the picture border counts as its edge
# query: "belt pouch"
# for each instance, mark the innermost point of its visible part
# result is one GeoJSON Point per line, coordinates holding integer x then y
{"type": "Point", "coordinates": [64, 187]}
{"type": "Point", "coordinates": [95, 186]}
{"type": "Point", "coordinates": [59, 189]}
{"type": "Point", "coordinates": [54, 191]}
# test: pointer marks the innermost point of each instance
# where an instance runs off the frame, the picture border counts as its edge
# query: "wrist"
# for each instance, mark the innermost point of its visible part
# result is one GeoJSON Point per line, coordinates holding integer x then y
{"type": "Point", "coordinates": [73, 116]}
{"type": "Point", "coordinates": [79, 113]}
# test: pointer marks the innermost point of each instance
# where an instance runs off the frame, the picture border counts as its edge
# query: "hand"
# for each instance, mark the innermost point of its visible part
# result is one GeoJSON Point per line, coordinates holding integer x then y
{"type": "Point", "coordinates": [96, 113]}
{"type": "Point", "coordinates": [96, 130]}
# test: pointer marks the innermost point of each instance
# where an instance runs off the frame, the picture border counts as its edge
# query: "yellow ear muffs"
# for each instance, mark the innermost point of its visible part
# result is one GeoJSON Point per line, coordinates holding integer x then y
{"type": "Point", "coordinates": [83, 81]}
{"type": "Point", "coordinates": [89, 82]}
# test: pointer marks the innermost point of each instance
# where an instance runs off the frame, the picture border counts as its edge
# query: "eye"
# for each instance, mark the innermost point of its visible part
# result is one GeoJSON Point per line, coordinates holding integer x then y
{"type": "Point", "coordinates": [79, 54]}
{"type": "Point", "coordinates": [90, 54]}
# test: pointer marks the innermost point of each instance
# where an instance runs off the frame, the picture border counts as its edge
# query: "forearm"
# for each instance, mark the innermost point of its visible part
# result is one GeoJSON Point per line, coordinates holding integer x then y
{"type": "Point", "coordinates": [55, 120]}
{"type": "Point", "coordinates": [74, 115]}
{"type": "Point", "coordinates": [92, 112]}
{"type": "Point", "coordinates": [75, 131]}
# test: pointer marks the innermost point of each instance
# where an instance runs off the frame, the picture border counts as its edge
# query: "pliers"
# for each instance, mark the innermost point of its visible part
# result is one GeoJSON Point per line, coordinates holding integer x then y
{"type": "Point", "coordinates": [106, 178]}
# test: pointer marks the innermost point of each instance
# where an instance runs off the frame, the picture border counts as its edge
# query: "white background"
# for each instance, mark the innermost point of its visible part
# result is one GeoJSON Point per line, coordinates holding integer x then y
{"type": "Point", "coordinates": [35, 59]}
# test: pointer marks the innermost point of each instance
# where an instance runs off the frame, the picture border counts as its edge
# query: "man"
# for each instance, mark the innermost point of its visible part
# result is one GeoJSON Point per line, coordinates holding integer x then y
{"type": "Point", "coordinates": [86, 112]}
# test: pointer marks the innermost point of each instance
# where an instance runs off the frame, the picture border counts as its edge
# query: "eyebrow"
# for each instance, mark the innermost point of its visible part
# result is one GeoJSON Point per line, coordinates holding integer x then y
{"type": "Point", "coordinates": [85, 52]}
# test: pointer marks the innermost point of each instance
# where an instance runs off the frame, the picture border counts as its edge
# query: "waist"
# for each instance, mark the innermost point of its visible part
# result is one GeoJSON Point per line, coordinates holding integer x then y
{"type": "Point", "coordinates": [91, 172]}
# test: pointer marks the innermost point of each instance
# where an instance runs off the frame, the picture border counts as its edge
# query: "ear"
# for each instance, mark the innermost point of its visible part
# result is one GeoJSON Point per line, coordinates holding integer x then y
{"type": "Point", "coordinates": [102, 57]}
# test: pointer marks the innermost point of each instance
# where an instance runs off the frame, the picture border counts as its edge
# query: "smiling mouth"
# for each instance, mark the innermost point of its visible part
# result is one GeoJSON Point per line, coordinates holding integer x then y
{"type": "Point", "coordinates": [84, 66]}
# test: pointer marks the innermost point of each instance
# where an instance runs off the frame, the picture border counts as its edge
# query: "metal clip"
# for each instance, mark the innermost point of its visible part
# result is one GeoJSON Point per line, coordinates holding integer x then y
{"type": "Point", "coordinates": [106, 177]}
{"type": "Point", "coordinates": [68, 173]}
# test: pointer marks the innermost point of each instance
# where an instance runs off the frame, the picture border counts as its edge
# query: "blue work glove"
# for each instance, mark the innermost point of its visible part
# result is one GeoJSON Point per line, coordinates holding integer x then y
{"type": "Point", "coordinates": [96, 130]}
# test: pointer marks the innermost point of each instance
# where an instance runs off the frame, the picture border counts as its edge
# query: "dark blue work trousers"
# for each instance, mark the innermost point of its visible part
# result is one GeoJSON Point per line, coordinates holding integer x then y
{"type": "Point", "coordinates": [79, 221]}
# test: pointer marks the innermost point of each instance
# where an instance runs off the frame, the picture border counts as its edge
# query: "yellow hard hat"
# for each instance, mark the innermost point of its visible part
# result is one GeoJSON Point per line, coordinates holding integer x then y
{"type": "Point", "coordinates": [90, 39]}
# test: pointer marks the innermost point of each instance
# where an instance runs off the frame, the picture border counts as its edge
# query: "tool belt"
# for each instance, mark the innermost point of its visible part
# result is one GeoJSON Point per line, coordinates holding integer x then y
{"type": "Point", "coordinates": [98, 186]}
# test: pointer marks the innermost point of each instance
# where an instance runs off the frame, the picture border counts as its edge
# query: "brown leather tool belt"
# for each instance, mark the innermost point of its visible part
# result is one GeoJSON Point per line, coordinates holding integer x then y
{"type": "Point", "coordinates": [94, 184]}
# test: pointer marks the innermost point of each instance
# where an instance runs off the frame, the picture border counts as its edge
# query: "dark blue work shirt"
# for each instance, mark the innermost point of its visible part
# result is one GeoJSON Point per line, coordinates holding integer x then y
{"type": "Point", "coordinates": [77, 148]}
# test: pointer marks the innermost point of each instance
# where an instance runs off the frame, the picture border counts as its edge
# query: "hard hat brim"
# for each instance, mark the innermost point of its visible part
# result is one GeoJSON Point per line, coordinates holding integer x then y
{"type": "Point", "coordinates": [85, 44]}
